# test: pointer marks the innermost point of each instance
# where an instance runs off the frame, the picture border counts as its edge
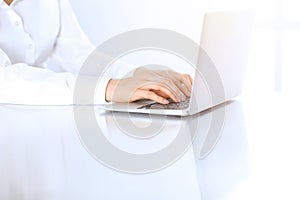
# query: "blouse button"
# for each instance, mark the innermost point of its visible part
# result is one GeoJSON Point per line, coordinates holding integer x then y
{"type": "Point", "coordinates": [30, 46]}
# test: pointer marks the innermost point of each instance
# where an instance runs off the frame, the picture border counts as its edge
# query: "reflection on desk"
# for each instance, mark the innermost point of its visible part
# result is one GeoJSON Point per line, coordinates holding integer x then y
{"type": "Point", "coordinates": [227, 165]}
{"type": "Point", "coordinates": [42, 157]}
{"type": "Point", "coordinates": [255, 156]}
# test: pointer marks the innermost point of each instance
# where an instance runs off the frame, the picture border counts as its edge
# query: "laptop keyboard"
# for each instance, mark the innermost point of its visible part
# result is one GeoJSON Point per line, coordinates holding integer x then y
{"type": "Point", "coordinates": [172, 105]}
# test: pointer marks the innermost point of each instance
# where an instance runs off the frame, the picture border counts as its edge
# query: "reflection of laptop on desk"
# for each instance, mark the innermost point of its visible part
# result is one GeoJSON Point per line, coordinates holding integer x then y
{"type": "Point", "coordinates": [225, 41]}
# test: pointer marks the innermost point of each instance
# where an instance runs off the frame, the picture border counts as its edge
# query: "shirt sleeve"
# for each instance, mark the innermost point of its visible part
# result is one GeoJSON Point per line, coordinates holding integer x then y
{"type": "Point", "coordinates": [24, 84]}
{"type": "Point", "coordinates": [72, 47]}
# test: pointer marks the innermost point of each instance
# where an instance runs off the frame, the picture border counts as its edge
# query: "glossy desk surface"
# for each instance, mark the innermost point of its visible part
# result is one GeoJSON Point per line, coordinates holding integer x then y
{"type": "Point", "coordinates": [256, 156]}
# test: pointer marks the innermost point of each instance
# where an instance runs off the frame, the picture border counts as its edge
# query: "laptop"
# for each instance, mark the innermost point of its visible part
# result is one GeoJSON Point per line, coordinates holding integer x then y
{"type": "Point", "coordinates": [219, 71]}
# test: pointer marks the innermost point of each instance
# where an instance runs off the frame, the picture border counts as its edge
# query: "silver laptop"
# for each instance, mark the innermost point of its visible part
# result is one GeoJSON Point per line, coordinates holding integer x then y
{"type": "Point", "coordinates": [219, 70]}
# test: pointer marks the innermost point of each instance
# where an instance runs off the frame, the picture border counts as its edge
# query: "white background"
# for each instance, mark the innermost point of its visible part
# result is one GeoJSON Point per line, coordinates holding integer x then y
{"type": "Point", "coordinates": [273, 61]}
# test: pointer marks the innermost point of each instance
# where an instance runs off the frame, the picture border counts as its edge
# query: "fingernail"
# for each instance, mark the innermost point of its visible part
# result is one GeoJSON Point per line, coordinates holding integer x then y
{"type": "Point", "coordinates": [165, 101]}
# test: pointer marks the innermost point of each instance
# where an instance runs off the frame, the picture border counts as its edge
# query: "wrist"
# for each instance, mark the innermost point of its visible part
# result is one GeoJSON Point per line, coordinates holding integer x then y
{"type": "Point", "coordinates": [110, 88]}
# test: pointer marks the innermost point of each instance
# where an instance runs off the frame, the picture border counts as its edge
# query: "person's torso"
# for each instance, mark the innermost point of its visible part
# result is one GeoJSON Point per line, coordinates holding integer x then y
{"type": "Point", "coordinates": [28, 30]}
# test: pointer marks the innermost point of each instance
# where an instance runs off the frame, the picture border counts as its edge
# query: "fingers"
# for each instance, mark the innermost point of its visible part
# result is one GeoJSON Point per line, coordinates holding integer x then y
{"type": "Point", "coordinates": [176, 88]}
{"type": "Point", "coordinates": [185, 80]}
{"type": "Point", "coordinates": [157, 85]}
{"type": "Point", "coordinates": [163, 88]}
{"type": "Point", "coordinates": [190, 81]}
{"type": "Point", "coordinates": [146, 94]}
{"type": "Point", "coordinates": [184, 90]}
{"type": "Point", "coordinates": [178, 84]}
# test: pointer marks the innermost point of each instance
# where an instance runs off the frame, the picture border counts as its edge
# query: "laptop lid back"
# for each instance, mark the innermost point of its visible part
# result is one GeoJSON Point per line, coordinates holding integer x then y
{"type": "Point", "coordinates": [222, 58]}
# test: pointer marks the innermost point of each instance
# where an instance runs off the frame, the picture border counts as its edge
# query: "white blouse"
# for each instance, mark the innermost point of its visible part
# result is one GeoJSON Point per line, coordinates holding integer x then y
{"type": "Point", "coordinates": [42, 48]}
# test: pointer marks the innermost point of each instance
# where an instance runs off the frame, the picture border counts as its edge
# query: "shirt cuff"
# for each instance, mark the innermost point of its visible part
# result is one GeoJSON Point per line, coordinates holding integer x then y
{"type": "Point", "coordinates": [100, 92]}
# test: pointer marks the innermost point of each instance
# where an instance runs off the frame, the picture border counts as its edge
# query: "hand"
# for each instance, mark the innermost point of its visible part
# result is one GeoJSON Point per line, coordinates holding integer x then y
{"type": "Point", "coordinates": [156, 85]}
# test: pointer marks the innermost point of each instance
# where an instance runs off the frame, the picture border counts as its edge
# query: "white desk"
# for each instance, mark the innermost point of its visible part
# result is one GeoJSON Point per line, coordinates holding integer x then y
{"type": "Point", "coordinates": [255, 157]}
